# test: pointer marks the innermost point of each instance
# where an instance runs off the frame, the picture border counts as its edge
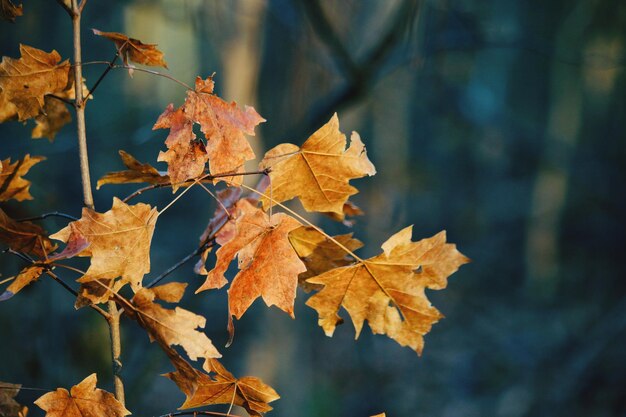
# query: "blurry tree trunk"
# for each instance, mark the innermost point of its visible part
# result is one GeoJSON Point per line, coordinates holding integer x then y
{"type": "Point", "coordinates": [552, 181]}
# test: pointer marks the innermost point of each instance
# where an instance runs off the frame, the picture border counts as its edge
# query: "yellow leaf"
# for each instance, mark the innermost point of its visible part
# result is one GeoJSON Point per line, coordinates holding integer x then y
{"type": "Point", "coordinates": [319, 171]}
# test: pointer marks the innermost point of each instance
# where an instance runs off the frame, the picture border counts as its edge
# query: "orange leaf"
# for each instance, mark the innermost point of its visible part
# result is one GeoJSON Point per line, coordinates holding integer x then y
{"type": "Point", "coordinates": [119, 241]}
{"type": "Point", "coordinates": [83, 400]}
{"type": "Point", "coordinates": [25, 81]}
{"type": "Point", "coordinates": [220, 387]}
{"type": "Point", "coordinates": [319, 253]}
{"type": "Point", "coordinates": [10, 11]}
{"type": "Point", "coordinates": [134, 50]}
{"type": "Point", "coordinates": [8, 406]}
{"type": "Point", "coordinates": [224, 126]}
{"type": "Point", "coordinates": [318, 172]}
{"type": "Point", "coordinates": [24, 236]}
{"type": "Point", "coordinates": [388, 290]}
{"type": "Point", "coordinates": [268, 264]}
{"type": "Point", "coordinates": [136, 172]}
{"type": "Point", "coordinates": [12, 185]}
{"type": "Point", "coordinates": [172, 327]}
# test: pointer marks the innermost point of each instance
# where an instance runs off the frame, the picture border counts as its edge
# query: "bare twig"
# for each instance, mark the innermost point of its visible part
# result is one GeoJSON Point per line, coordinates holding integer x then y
{"type": "Point", "coordinates": [180, 263]}
{"type": "Point", "coordinates": [104, 74]}
{"type": "Point", "coordinates": [46, 215]}
{"type": "Point", "coordinates": [63, 99]}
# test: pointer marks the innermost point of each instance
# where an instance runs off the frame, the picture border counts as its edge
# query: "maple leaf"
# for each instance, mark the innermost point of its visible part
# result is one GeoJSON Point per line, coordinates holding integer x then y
{"type": "Point", "coordinates": [119, 241]}
{"type": "Point", "coordinates": [319, 253]}
{"type": "Point", "coordinates": [8, 406]}
{"type": "Point", "coordinates": [10, 11]}
{"type": "Point", "coordinates": [136, 172]}
{"type": "Point", "coordinates": [24, 237]}
{"type": "Point", "coordinates": [268, 264]}
{"type": "Point", "coordinates": [172, 327]}
{"type": "Point", "coordinates": [134, 50]}
{"type": "Point", "coordinates": [83, 400]}
{"type": "Point", "coordinates": [25, 81]}
{"type": "Point", "coordinates": [388, 290]}
{"type": "Point", "coordinates": [12, 185]}
{"type": "Point", "coordinates": [224, 126]}
{"type": "Point", "coordinates": [185, 156]}
{"type": "Point", "coordinates": [220, 387]}
{"type": "Point", "coordinates": [319, 171]}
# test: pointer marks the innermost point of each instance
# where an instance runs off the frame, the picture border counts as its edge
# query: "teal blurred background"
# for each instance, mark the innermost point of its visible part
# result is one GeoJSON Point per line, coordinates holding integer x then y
{"type": "Point", "coordinates": [501, 121]}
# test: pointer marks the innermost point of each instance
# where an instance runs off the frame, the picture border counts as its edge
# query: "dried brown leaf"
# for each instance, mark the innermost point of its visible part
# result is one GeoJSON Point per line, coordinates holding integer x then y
{"type": "Point", "coordinates": [8, 406]}
{"type": "Point", "coordinates": [318, 172]}
{"type": "Point", "coordinates": [24, 237]}
{"type": "Point", "coordinates": [388, 290]}
{"type": "Point", "coordinates": [219, 386]}
{"type": "Point", "coordinates": [25, 81]}
{"type": "Point", "coordinates": [134, 50]}
{"type": "Point", "coordinates": [83, 400]}
{"type": "Point", "coordinates": [10, 11]}
{"type": "Point", "coordinates": [136, 172]}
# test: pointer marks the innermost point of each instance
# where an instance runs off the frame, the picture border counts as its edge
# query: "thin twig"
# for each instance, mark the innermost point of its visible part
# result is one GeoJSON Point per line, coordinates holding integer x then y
{"type": "Point", "coordinates": [63, 99]}
{"type": "Point", "coordinates": [48, 270]}
{"type": "Point", "coordinates": [104, 74]}
{"type": "Point", "coordinates": [67, 8]}
{"type": "Point", "coordinates": [180, 263]}
{"type": "Point", "coordinates": [46, 215]}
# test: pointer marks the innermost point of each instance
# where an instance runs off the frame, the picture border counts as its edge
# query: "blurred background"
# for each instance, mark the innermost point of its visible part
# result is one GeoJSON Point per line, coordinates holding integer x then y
{"type": "Point", "coordinates": [501, 121]}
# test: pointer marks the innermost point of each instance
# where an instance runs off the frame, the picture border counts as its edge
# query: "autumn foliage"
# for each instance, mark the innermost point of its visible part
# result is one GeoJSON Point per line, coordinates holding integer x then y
{"type": "Point", "coordinates": [276, 250]}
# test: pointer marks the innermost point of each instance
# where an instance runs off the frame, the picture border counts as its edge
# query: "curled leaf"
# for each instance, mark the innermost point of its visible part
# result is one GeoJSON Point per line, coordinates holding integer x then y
{"type": "Point", "coordinates": [136, 172]}
{"type": "Point", "coordinates": [10, 11]}
{"type": "Point", "coordinates": [8, 406]}
{"type": "Point", "coordinates": [134, 50]}
{"type": "Point", "coordinates": [12, 185]}
{"type": "Point", "coordinates": [24, 237]}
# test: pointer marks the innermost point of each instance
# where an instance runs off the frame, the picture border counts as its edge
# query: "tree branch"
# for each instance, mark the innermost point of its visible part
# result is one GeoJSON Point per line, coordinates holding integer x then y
{"type": "Point", "coordinates": [46, 215]}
